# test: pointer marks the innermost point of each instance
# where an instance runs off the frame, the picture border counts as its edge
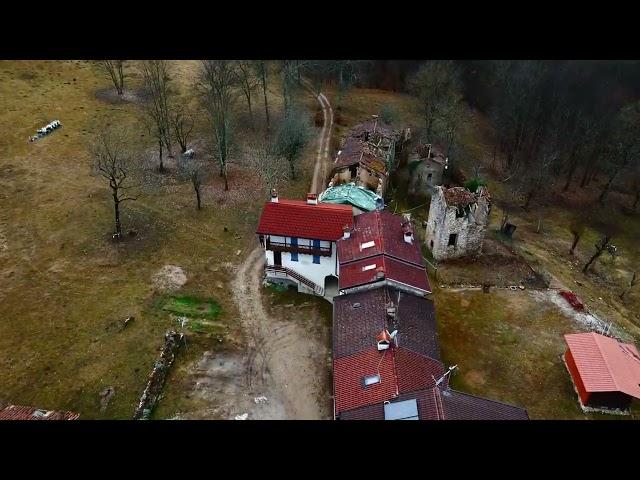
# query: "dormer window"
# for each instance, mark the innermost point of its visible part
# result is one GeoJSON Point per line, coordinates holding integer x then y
{"type": "Point", "coordinates": [367, 245]}
{"type": "Point", "coordinates": [368, 267]}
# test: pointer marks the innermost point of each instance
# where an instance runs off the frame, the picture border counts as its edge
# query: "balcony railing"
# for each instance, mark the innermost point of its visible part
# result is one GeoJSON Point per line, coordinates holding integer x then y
{"type": "Point", "coordinates": [306, 249]}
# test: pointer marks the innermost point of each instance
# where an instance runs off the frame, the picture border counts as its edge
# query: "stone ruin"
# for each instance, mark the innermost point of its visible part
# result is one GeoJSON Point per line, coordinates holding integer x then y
{"type": "Point", "coordinates": [151, 394]}
{"type": "Point", "coordinates": [457, 222]}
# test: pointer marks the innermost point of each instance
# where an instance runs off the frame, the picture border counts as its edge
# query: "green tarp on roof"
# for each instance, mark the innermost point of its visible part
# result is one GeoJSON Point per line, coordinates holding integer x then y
{"type": "Point", "coordinates": [349, 193]}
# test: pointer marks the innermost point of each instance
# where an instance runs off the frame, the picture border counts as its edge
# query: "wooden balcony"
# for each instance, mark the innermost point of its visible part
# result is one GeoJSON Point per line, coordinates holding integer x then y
{"type": "Point", "coordinates": [288, 247]}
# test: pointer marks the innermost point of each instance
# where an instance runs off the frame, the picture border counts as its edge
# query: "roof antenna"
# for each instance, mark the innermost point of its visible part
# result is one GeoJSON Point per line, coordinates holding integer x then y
{"type": "Point", "coordinates": [448, 372]}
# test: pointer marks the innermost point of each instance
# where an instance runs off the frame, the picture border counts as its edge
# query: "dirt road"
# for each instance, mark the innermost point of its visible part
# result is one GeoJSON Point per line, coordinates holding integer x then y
{"type": "Point", "coordinates": [286, 366]}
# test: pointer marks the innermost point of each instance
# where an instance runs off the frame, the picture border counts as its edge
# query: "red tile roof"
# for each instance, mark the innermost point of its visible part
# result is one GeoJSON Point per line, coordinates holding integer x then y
{"type": "Point", "coordinates": [354, 273]}
{"type": "Point", "coordinates": [385, 230]}
{"type": "Point", "coordinates": [605, 364]}
{"type": "Point", "coordinates": [400, 371]}
{"type": "Point", "coordinates": [297, 218]}
{"type": "Point", "coordinates": [439, 403]}
{"type": "Point", "coordinates": [355, 328]}
{"type": "Point", "coordinates": [17, 412]}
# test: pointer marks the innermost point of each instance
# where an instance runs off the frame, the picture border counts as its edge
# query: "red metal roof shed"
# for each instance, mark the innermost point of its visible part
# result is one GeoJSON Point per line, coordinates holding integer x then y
{"type": "Point", "coordinates": [606, 372]}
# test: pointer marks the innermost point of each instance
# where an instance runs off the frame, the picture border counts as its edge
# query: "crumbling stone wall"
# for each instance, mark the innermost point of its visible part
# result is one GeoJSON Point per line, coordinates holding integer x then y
{"type": "Point", "coordinates": [466, 220]}
{"type": "Point", "coordinates": [172, 342]}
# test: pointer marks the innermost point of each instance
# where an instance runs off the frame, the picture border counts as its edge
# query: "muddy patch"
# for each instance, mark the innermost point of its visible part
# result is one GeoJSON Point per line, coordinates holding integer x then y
{"type": "Point", "coordinates": [169, 278]}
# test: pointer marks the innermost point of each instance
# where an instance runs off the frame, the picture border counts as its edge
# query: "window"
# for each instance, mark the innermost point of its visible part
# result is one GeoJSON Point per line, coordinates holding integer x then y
{"type": "Point", "coordinates": [368, 267]}
{"type": "Point", "coordinates": [367, 245]}
{"type": "Point", "coordinates": [316, 258]}
{"type": "Point", "coordinates": [294, 255]}
{"type": "Point", "coordinates": [429, 177]}
{"type": "Point", "coordinates": [459, 212]}
{"type": "Point", "coordinates": [453, 238]}
{"type": "Point", "coordinates": [371, 380]}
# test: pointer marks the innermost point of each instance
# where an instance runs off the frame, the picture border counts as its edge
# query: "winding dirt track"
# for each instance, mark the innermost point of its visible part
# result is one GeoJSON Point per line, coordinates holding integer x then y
{"type": "Point", "coordinates": [284, 362]}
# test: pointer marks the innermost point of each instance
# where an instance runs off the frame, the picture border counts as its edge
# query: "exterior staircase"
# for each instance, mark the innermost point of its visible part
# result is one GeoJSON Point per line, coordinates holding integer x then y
{"type": "Point", "coordinates": [284, 271]}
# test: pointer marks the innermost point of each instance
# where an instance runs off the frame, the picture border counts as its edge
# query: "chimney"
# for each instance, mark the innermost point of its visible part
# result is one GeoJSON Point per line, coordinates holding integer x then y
{"type": "Point", "coordinates": [383, 340]}
{"type": "Point", "coordinates": [379, 273]}
{"type": "Point", "coordinates": [274, 195]}
{"type": "Point", "coordinates": [312, 198]}
{"type": "Point", "coordinates": [346, 232]}
{"type": "Point", "coordinates": [407, 231]}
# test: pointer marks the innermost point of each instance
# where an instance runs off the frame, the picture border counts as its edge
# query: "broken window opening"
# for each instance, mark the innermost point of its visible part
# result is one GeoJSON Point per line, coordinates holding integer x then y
{"type": "Point", "coordinates": [453, 239]}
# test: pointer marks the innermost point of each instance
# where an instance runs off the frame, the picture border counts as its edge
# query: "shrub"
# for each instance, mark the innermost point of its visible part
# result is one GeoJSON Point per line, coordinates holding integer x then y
{"type": "Point", "coordinates": [473, 184]}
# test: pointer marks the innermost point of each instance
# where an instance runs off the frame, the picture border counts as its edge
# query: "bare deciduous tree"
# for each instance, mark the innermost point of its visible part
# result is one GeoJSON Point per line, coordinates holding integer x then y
{"type": "Point", "coordinates": [292, 137]}
{"type": "Point", "coordinates": [218, 83]}
{"type": "Point", "coordinates": [631, 285]}
{"type": "Point", "coordinates": [260, 67]}
{"type": "Point", "coordinates": [264, 158]}
{"type": "Point", "coordinates": [155, 74]}
{"type": "Point", "coordinates": [112, 161]}
{"type": "Point", "coordinates": [601, 247]}
{"type": "Point", "coordinates": [577, 230]}
{"type": "Point", "coordinates": [432, 84]}
{"type": "Point", "coordinates": [115, 70]}
{"type": "Point", "coordinates": [248, 82]}
{"type": "Point", "coordinates": [182, 124]}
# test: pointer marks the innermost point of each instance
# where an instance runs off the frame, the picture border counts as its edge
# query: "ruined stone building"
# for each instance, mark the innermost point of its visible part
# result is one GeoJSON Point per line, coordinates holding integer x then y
{"type": "Point", "coordinates": [457, 222]}
{"type": "Point", "coordinates": [429, 170]}
{"type": "Point", "coordinates": [367, 156]}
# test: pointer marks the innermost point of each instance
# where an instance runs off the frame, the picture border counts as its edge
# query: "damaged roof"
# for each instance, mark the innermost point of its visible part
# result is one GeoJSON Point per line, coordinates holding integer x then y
{"type": "Point", "coordinates": [375, 126]}
{"type": "Point", "coordinates": [18, 412]}
{"type": "Point", "coordinates": [459, 196]}
{"type": "Point", "coordinates": [352, 194]}
{"type": "Point", "coordinates": [355, 151]}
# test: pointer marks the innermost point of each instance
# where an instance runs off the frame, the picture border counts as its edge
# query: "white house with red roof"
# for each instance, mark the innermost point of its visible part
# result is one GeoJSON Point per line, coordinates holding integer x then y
{"type": "Point", "coordinates": [299, 239]}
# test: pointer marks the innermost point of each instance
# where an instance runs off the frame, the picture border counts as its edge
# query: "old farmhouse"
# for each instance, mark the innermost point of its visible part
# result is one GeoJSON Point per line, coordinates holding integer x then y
{"type": "Point", "coordinates": [299, 238]}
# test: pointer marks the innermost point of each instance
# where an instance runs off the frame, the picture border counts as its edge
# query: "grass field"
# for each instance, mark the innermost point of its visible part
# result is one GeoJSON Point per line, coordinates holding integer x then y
{"type": "Point", "coordinates": [63, 283]}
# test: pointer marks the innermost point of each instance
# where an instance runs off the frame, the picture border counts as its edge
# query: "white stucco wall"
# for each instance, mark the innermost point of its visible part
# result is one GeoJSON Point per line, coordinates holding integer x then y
{"type": "Point", "coordinates": [305, 266]}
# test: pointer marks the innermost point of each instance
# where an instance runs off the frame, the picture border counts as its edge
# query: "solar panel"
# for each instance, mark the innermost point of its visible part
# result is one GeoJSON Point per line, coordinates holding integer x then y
{"type": "Point", "coordinates": [405, 410]}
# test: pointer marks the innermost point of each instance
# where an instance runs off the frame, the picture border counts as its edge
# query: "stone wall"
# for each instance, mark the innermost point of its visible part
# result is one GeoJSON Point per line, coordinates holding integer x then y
{"type": "Point", "coordinates": [467, 222]}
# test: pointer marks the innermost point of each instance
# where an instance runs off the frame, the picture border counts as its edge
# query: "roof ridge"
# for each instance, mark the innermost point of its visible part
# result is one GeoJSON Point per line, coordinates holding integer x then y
{"type": "Point", "coordinates": [482, 398]}
{"type": "Point", "coordinates": [596, 338]}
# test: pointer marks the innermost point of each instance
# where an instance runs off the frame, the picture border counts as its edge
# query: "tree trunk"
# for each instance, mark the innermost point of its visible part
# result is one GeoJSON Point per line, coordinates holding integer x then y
{"type": "Point", "coordinates": [293, 170]}
{"type": "Point", "coordinates": [576, 239]}
{"type": "Point", "coordinates": [226, 182]}
{"type": "Point", "coordinates": [198, 196]}
{"type": "Point", "coordinates": [248, 97]}
{"type": "Point", "coordinates": [572, 168]}
{"type": "Point", "coordinates": [587, 169]}
{"type": "Point", "coordinates": [599, 249]}
{"type": "Point", "coordinates": [607, 187]}
{"type": "Point", "coordinates": [528, 199]}
{"type": "Point", "coordinates": [635, 202]}
{"type": "Point", "coordinates": [116, 207]}
{"type": "Point", "coordinates": [160, 149]}
{"type": "Point", "coordinates": [264, 92]}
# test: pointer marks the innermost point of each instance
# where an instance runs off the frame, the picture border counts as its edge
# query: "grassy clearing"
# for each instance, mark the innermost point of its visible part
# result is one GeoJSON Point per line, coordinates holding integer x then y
{"type": "Point", "coordinates": [63, 284]}
{"type": "Point", "coordinates": [508, 347]}
{"type": "Point", "coordinates": [191, 307]}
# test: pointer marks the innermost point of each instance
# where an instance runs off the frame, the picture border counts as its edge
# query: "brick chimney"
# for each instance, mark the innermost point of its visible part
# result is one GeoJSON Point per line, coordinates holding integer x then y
{"type": "Point", "coordinates": [274, 195]}
{"type": "Point", "coordinates": [346, 232]}
{"type": "Point", "coordinates": [312, 198]}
